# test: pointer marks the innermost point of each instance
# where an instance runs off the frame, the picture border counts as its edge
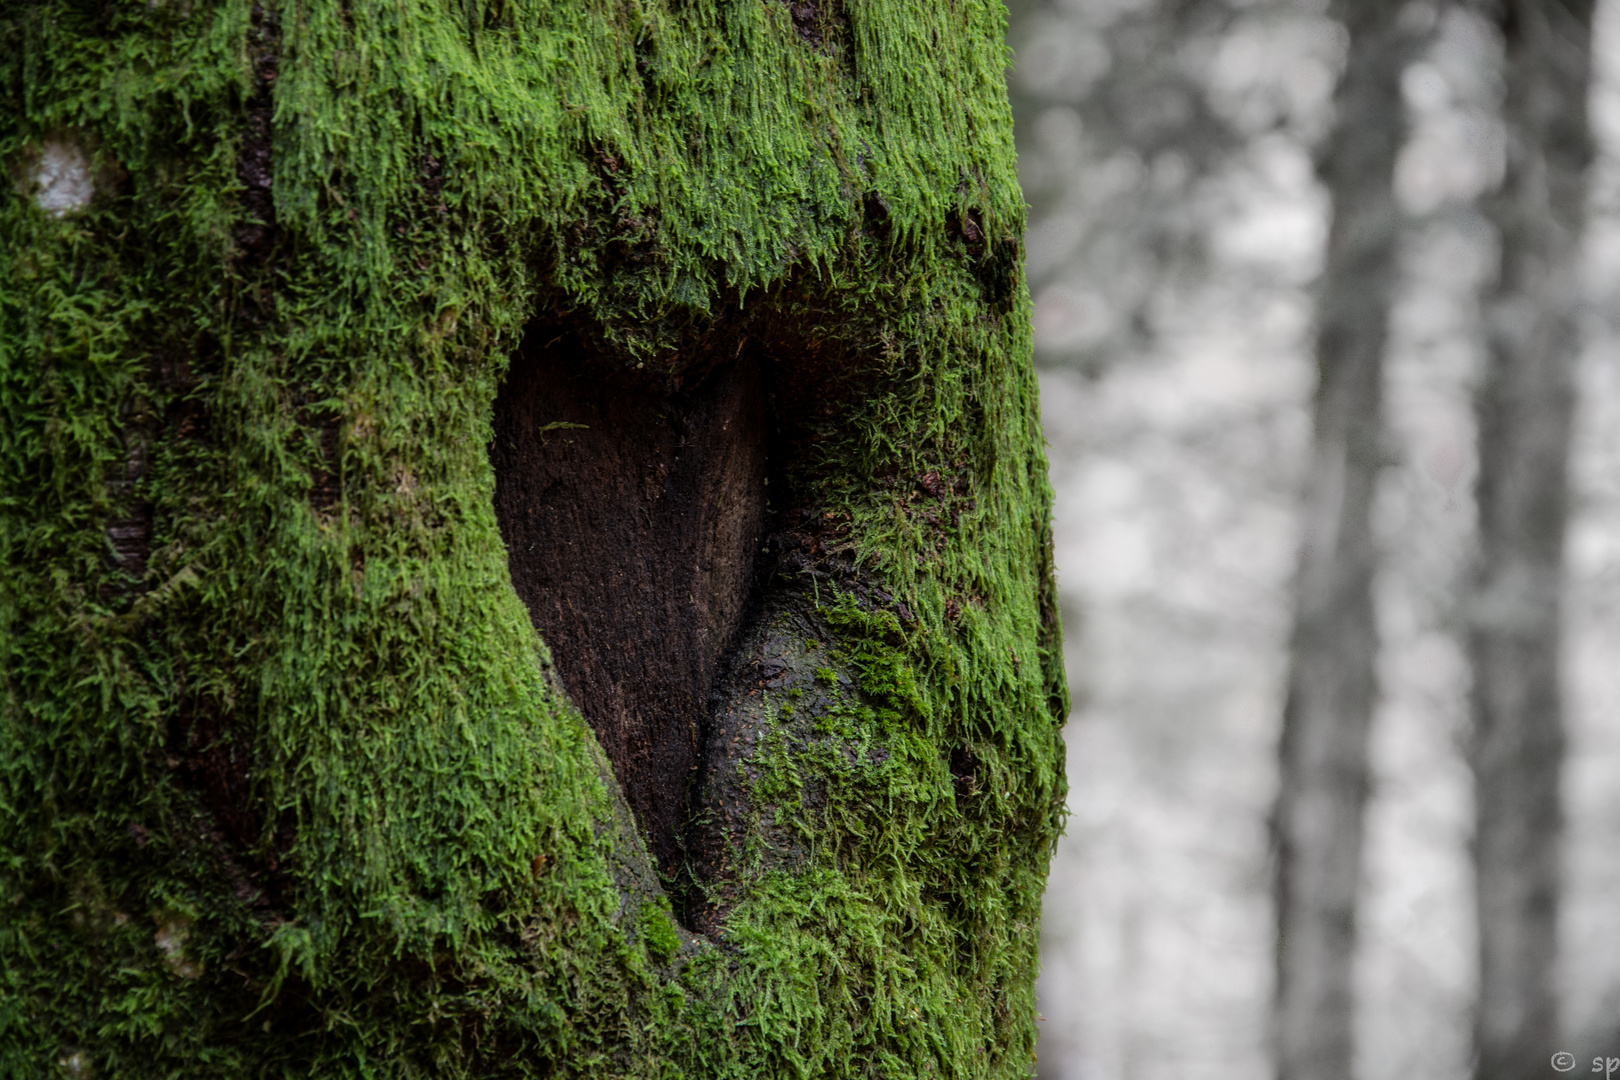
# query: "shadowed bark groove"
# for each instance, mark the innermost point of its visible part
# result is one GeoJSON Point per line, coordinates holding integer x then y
{"type": "Point", "coordinates": [632, 518]}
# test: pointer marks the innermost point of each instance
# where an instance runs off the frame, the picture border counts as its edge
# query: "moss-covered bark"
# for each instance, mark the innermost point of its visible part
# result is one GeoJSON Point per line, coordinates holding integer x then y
{"type": "Point", "coordinates": [287, 786]}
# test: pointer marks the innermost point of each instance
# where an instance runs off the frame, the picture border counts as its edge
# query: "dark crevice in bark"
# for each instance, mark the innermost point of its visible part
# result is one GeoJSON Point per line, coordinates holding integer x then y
{"type": "Point", "coordinates": [165, 413]}
{"type": "Point", "coordinates": [815, 21]}
{"type": "Point", "coordinates": [258, 237]}
{"type": "Point", "coordinates": [209, 753]}
{"type": "Point", "coordinates": [964, 773]}
{"type": "Point", "coordinates": [176, 380]}
{"type": "Point", "coordinates": [210, 758]}
{"type": "Point", "coordinates": [325, 484]}
{"type": "Point", "coordinates": [129, 535]}
{"type": "Point", "coordinates": [255, 237]}
{"type": "Point", "coordinates": [633, 515]}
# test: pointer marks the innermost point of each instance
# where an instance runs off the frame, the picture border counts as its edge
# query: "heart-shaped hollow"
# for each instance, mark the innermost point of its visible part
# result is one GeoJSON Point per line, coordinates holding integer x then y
{"type": "Point", "coordinates": [632, 517]}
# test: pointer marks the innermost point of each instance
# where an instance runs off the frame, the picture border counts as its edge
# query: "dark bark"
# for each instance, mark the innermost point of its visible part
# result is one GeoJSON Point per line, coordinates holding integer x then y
{"type": "Point", "coordinates": [1332, 683]}
{"type": "Point", "coordinates": [632, 516]}
{"type": "Point", "coordinates": [1525, 410]}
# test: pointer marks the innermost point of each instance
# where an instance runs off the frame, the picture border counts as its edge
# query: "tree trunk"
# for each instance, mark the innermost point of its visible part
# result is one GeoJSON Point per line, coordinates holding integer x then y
{"type": "Point", "coordinates": [1332, 679]}
{"type": "Point", "coordinates": [1525, 409]}
{"type": "Point", "coordinates": [524, 542]}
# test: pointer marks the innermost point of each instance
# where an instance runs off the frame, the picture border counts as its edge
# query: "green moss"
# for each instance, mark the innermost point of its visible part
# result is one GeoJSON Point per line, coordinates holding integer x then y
{"type": "Point", "coordinates": [295, 794]}
{"type": "Point", "coordinates": [658, 930]}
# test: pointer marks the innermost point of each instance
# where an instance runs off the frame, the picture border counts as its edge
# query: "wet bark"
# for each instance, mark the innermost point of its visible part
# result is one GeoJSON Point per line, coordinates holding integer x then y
{"type": "Point", "coordinates": [1332, 683]}
{"type": "Point", "coordinates": [1525, 410]}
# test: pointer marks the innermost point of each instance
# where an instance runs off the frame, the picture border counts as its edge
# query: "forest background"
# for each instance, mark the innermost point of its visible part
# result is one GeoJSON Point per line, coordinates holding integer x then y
{"type": "Point", "coordinates": [1176, 239]}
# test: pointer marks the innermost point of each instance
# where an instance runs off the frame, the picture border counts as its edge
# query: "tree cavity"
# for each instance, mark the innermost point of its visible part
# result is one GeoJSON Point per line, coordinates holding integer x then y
{"type": "Point", "coordinates": [632, 516]}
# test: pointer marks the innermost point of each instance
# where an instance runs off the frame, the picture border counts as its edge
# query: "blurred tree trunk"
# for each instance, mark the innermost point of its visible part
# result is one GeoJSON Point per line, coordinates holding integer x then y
{"type": "Point", "coordinates": [1332, 679]}
{"type": "Point", "coordinates": [1525, 411]}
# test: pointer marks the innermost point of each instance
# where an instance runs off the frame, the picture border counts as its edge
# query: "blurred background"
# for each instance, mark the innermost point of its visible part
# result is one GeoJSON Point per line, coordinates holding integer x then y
{"type": "Point", "coordinates": [1176, 242]}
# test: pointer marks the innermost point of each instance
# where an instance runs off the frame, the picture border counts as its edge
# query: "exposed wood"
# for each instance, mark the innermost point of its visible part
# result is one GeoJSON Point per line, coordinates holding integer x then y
{"type": "Point", "coordinates": [632, 518]}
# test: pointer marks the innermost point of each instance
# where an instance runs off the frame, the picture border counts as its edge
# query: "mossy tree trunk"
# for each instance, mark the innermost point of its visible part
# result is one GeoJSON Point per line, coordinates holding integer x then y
{"type": "Point", "coordinates": [524, 542]}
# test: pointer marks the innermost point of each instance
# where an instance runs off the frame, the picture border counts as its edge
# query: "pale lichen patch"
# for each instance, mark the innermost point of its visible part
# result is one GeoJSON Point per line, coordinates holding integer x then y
{"type": "Point", "coordinates": [172, 934]}
{"type": "Point", "coordinates": [61, 178]}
